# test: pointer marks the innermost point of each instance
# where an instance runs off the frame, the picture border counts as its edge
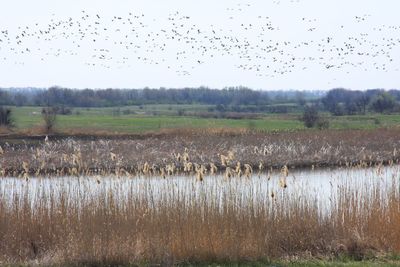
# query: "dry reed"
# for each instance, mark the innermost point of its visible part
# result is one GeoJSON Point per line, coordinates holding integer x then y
{"type": "Point", "coordinates": [193, 224]}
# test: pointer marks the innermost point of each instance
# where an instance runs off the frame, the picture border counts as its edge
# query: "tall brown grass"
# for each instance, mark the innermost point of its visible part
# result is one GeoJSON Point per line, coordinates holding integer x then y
{"type": "Point", "coordinates": [293, 149]}
{"type": "Point", "coordinates": [62, 226]}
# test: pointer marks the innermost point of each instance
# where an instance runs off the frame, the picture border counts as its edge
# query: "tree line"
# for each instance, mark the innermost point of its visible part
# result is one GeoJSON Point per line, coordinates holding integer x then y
{"type": "Point", "coordinates": [347, 102]}
{"type": "Point", "coordinates": [239, 99]}
{"type": "Point", "coordinates": [123, 97]}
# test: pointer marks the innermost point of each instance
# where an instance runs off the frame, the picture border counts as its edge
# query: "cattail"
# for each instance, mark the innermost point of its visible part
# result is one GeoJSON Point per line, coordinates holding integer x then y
{"type": "Point", "coordinates": [170, 169]}
{"type": "Point", "coordinates": [200, 173]}
{"type": "Point", "coordinates": [162, 172]}
{"type": "Point", "coordinates": [223, 160]}
{"type": "Point", "coordinates": [146, 168]}
{"type": "Point", "coordinates": [238, 167]}
{"type": "Point", "coordinates": [196, 167]}
{"type": "Point", "coordinates": [204, 169]}
{"type": "Point", "coordinates": [25, 166]}
{"type": "Point", "coordinates": [75, 159]}
{"type": "Point", "coordinates": [231, 156]}
{"type": "Point", "coordinates": [200, 176]}
{"type": "Point", "coordinates": [188, 167]}
{"type": "Point", "coordinates": [228, 173]}
{"type": "Point", "coordinates": [74, 171]}
{"type": "Point", "coordinates": [248, 170]}
{"type": "Point", "coordinates": [65, 157]}
{"type": "Point", "coordinates": [282, 182]}
{"type": "Point", "coordinates": [185, 157]}
{"type": "Point", "coordinates": [265, 151]}
{"type": "Point", "coordinates": [213, 168]}
{"type": "Point", "coordinates": [285, 171]}
{"type": "Point", "coordinates": [26, 177]}
{"type": "Point", "coordinates": [154, 169]}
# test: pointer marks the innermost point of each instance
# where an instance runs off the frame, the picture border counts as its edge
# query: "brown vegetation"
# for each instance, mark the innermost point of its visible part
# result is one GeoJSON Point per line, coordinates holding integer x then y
{"type": "Point", "coordinates": [293, 149]}
{"type": "Point", "coordinates": [62, 226]}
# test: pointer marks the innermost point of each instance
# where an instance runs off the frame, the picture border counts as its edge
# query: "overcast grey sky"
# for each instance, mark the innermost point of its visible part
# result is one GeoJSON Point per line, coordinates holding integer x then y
{"type": "Point", "coordinates": [279, 44]}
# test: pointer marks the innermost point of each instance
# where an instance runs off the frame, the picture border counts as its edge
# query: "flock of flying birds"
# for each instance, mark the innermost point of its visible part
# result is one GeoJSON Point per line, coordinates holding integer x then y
{"type": "Point", "coordinates": [179, 44]}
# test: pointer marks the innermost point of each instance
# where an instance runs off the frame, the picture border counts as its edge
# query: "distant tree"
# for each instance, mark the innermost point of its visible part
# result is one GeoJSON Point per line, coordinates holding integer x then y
{"type": "Point", "coordinates": [383, 102]}
{"type": "Point", "coordinates": [4, 98]}
{"type": "Point", "coordinates": [5, 117]}
{"type": "Point", "coordinates": [220, 108]}
{"type": "Point", "coordinates": [341, 102]}
{"type": "Point", "coordinates": [20, 99]}
{"type": "Point", "coordinates": [300, 99]}
{"type": "Point", "coordinates": [63, 110]}
{"type": "Point", "coordinates": [181, 112]}
{"type": "Point", "coordinates": [310, 116]}
{"type": "Point", "coordinates": [49, 115]}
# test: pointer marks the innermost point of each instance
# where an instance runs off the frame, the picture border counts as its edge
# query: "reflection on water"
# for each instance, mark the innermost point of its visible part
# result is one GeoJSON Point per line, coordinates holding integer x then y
{"type": "Point", "coordinates": [318, 186]}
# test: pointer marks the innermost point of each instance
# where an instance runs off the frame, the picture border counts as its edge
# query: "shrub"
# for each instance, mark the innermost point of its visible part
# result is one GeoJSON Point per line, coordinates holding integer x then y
{"type": "Point", "coordinates": [310, 116]}
{"type": "Point", "coordinates": [49, 115]}
{"type": "Point", "coordinates": [181, 112]}
{"type": "Point", "coordinates": [5, 117]}
{"type": "Point", "coordinates": [63, 110]}
{"type": "Point", "coordinates": [323, 123]}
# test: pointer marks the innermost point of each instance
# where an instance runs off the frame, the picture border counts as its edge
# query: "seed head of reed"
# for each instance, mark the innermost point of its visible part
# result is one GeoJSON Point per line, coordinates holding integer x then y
{"type": "Point", "coordinates": [285, 171]}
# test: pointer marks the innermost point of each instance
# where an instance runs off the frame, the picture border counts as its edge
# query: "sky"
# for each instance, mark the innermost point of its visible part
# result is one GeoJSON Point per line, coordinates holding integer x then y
{"type": "Point", "coordinates": [267, 45]}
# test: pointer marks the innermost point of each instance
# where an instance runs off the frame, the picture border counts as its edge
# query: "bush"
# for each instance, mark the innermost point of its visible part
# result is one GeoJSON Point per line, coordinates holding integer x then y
{"type": "Point", "coordinates": [5, 117]}
{"type": "Point", "coordinates": [310, 116]}
{"type": "Point", "coordinates": [63, 110]}
{"type": "Point", "coordinates": [49, 115]}
{"type": "Point", "coordinates": [323, 124]}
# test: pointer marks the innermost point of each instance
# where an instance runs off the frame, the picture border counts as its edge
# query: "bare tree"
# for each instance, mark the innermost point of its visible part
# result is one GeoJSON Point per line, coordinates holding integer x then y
{"type": "Point", "coordinates": [49, 115]}
{"type": "Point", "coordinates": [5, 117]}
{"type": "Point", "coordinates": [310, 116]}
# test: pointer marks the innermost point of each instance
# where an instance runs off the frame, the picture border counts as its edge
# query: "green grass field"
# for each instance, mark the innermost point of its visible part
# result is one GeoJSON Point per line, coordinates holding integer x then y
{"type": "Point", "coordinates": [135, 119]}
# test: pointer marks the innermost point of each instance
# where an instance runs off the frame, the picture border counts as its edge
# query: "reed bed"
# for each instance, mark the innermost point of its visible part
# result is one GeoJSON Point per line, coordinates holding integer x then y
{"type": "Point", "coordinates": [111, 220]}
{"type": "Point", "coordinates": [214, 150]}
